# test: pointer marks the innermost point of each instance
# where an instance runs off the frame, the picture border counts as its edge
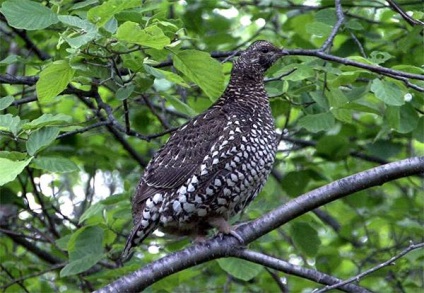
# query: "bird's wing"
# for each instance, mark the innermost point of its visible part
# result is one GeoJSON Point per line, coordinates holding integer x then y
{"type": "Point", "coordinates": [179, 158]}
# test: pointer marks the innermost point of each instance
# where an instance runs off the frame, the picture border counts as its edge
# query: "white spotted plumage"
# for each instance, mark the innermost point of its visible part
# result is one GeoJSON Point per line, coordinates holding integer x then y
{"type": "Point", "coordinates": [213, 166]}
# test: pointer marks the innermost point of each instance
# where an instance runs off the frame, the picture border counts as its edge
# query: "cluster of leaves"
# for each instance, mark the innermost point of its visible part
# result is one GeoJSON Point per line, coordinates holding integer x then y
{"type": "Point", "coordinates": [86, 84]}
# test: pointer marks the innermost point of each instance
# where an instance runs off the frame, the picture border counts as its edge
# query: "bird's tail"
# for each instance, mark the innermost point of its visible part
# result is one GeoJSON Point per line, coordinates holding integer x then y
{"type": "Point", "coordinates": [138, 234]}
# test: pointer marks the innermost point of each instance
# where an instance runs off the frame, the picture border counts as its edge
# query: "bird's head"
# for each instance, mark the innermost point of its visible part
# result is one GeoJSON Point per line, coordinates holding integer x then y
{"type": "Point", "coordinates": [257, 58]}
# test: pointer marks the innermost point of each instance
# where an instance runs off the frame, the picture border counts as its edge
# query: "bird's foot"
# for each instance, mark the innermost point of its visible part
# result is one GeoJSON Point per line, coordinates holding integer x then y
{"type": "Point", "coordinates": [225, 228]}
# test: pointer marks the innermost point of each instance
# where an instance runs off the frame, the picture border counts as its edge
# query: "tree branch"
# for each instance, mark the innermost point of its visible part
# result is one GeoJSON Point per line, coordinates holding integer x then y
{"type": "Point", "coordinates": [288, 268]}
{"type": "Point", "coordinates": [372, 270]}
{"type": "Point", "coordinates": [217, 247]}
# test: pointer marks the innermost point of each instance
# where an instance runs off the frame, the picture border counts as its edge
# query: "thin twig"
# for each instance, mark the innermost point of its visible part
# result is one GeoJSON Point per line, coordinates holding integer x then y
{"type": "Point", "coordinates": [356, 278]}
{"type": "Point", "coordinates": [340, 19]}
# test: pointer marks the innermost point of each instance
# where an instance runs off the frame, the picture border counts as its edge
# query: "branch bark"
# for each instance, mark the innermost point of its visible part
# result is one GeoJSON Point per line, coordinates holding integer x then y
{"type": "Point", "coordinates": [228, 246]}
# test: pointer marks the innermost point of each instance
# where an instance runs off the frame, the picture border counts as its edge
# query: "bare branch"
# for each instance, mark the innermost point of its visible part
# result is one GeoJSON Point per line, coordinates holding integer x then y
{"type": "Point", "coordinates": [340, 19]}
{"type": "Point", "coordinates": [372, 270]}
{"type": "Point", "coordinates": [217, 247]}
{"type": "Point", "coordinates": [286, 267]}
{"type": "Point", "coordinates": [403, 14]}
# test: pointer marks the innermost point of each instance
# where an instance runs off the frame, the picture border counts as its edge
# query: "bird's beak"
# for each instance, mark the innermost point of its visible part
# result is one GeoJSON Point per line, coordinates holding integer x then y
{"type": "Point", "coordinates": [284, 52]}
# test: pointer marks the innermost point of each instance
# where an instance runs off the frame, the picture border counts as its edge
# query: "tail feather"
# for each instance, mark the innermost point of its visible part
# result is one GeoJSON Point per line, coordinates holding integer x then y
{"type": "Point", "coordinates": [138, 234]}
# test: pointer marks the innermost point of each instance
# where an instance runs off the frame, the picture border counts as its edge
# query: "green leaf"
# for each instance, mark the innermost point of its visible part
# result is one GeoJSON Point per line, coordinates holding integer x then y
{"type": "Point", "coordinates": [85, 250]}
{"type": "Point", "coordinates": [101, 14]}
{"type": "Point", "coordinates": [168, 75]}
{"type": "Point", "coordinates": [10, 123]}
{"type": "Point", "coordinates": [93, 210]}
{"type": "Point", "coordinates": [354, 25]}
{"type": "Point", "coordinates": [29, 15]}
{"type": "Point", "coordinates": [384, 149]}
{"type": "Point", "coordinates": [317, 122]}
{"type": "Point", "coordinates": [333, 147]}
{"type": "Point", "coordinates": [80, 265]}
{"type": "Point", "coordinates": [180, 106]}
{"type": "Point", "coordinates": [418, 133]}
{"type": "Point", "coordinates": [327, 16]}
{"type": "Point", "coordinates": [47, 120]}
{"type": "Point", "coordinates": [87, 31]}
{"type": "Point", "coordinates": [360, 108]}
{"type": "Point", "coordinates": [116, 198]}
{"type": "Point", "coordinates": [379, 57]}
{"type": "Point", "coordinates": [388, 92]}
{"type": "Point", "coordinates": [295, 182]}
{"type": "Point", "coordinates": [10, 169]}
{"type": "Point", "coordinates": [305, 237]}
{"type": "Point", "coordinates": [193, 64]}
{"type": "Point", "coordinates": [12, 58]}
{"type": "Point", "coordinates": [13, 156]}
{"type": "Point", "coordinates": [53, 80]}
{"type": "Point", "coordinates": [239, 268]}
{"type": "Point", "coordinates": [52, 164]}
{"type": "Point", "coordinates": [318, 29]}
{"type": "Point", "coordinates": [6, 102]}
{"type": "Point", "coordinates": [403, 119]}
{"type": "Point", "coordinates": [125, 92]}
{"type": "Point", "coordinates": [62, 242]}
{"type": "Point", "coordinates": [41, 138]}
{"type": "Point", "coordinates": [152, 36]}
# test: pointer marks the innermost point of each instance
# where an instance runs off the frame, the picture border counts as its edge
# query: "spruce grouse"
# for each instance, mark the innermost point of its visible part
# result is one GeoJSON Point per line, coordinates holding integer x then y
{"type": "Point", "coordinates": [214, 165]}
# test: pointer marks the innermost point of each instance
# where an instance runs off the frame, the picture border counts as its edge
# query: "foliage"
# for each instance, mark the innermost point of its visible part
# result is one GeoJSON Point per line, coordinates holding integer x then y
{"type": "Point", "coordinates": [90, 89]}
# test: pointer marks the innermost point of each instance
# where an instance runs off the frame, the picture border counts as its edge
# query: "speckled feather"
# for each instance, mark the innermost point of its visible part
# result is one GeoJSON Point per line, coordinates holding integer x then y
{"type": "Point", "coordinates": [212, 167]}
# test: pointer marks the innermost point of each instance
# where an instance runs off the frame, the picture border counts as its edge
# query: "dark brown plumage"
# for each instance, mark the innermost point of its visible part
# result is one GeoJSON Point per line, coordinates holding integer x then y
{"type": "Point", "coordinates": [213, 166]}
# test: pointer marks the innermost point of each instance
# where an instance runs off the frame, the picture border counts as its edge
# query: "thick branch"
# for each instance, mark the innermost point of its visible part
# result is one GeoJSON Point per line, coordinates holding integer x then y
{"type": "Point", "coordinates": [217, 247]}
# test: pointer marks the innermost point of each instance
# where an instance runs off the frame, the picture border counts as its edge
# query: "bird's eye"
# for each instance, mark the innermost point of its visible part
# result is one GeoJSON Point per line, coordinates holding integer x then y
{"type": "Point", "coordinates": [264, 50]}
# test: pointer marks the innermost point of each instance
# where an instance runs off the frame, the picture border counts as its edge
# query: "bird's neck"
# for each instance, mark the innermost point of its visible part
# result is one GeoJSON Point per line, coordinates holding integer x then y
{"type": "Point", "coordinates": [245, 89]}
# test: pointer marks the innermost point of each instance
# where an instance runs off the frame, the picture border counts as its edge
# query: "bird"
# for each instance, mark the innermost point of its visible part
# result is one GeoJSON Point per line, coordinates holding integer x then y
{"type": "Point", "coordinates": [214, 165]}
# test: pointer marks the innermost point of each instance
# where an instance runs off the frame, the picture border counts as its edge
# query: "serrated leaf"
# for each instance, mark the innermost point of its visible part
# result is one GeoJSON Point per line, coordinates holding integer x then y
{"type": "Point", "coordinates": [93, 210]}
{"type": "Point", "coordinates": [47, 120]}
{"type": "Point", "coordinates": [202, 69]}
{"type": "Point", "coordinates": [305, 237]}
{"type": "Point", "coordinates": [10, 123]}
{"type": "Point", "coordinates": [388, 92]}
{"type": "Point", "coordinates": [152, 36]}
{"type": "Point", "coordinates": [6, 102]}
{"type": "Point", "coordinates": [56, 165]}
{"type": "Point", "coordinates": [53, 80]}
{"type": "Point", "coordinates": [41, 138]}
{"type": "Point", "coordinates": [85, 250]}
{"type": "Point", "coordinates": [239, 268]}
{"type": "Point", "coordinates": [101, 14]}
{"type": "Point", "coordinates": [317, 122]}
{"type": "Point", "coordinates": [10, 169]}
{"type": "Point", "coordinates": [28, 15]}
